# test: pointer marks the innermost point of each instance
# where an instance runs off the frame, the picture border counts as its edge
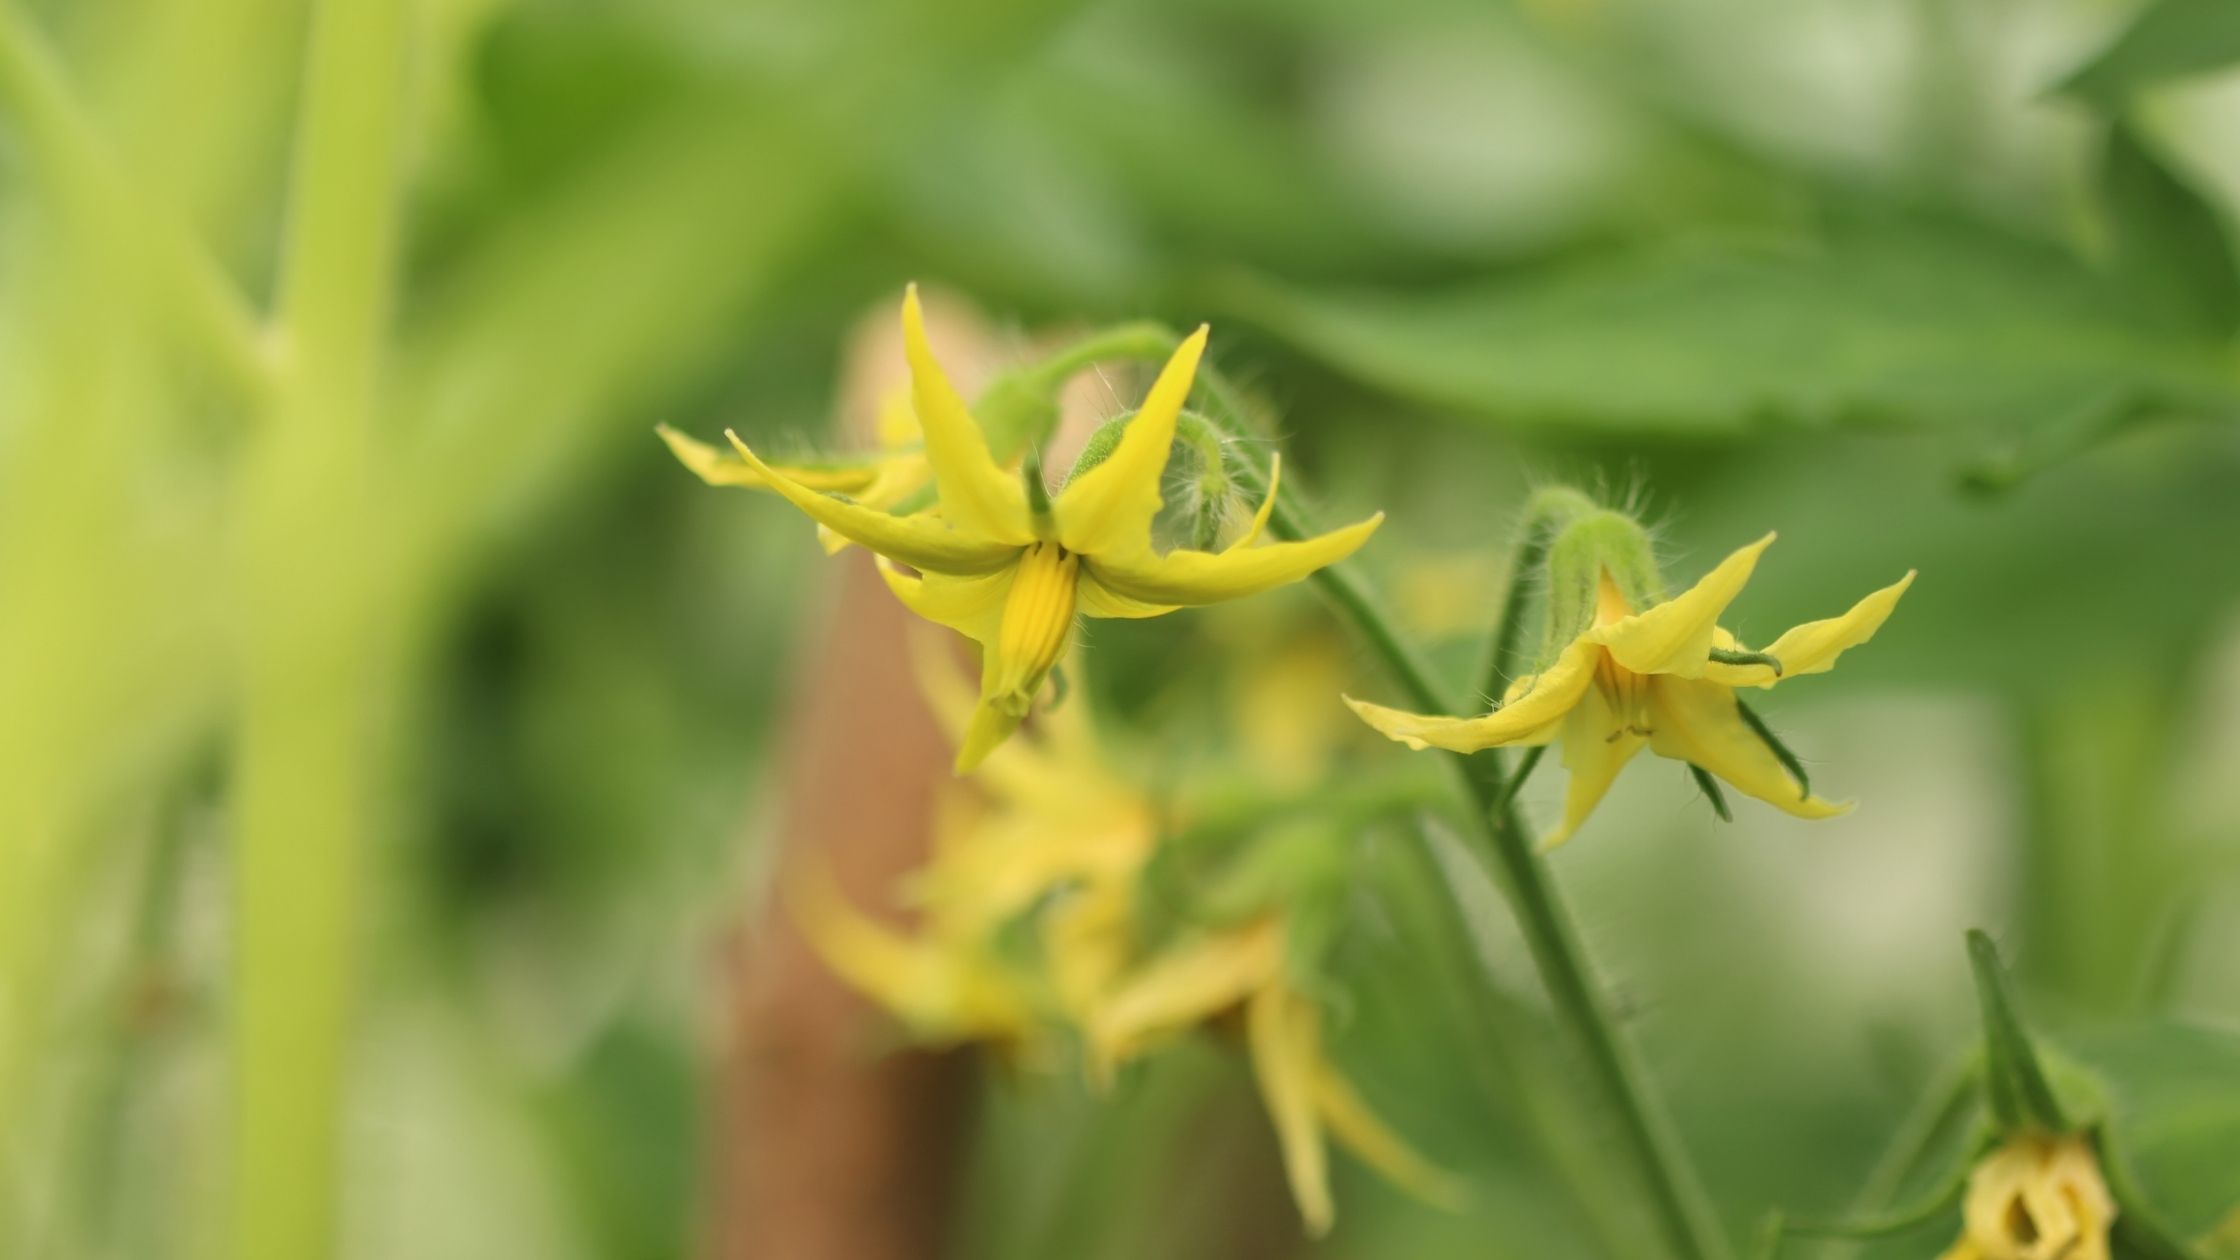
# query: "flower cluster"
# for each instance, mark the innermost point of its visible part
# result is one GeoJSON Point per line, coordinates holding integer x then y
{"type": "Point", "coordinates": [1037, 928]}
{"type": "Point", "coordinates": [1033, 932]}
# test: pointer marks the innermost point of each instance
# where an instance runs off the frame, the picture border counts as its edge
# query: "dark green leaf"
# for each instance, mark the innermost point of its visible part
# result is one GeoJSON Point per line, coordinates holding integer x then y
{"type": "Point", "coordinates": [2168, 40]}
{"type": "Point", "coordinates": [2169, 241]}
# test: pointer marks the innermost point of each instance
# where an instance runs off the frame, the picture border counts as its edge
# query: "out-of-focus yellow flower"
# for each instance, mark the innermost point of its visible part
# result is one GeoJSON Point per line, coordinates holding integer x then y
{"type": "Point", "coordinates": [1046, 829]}
{"type": "Point", "coordinates": [1306, 1096]}
{"type": "Point", "coordinates": [945, 983]}
{"type": "Point", "coordinates": [2036, 1197]}
{"type": "Point", "coordinates": [1661, 677]}
{"type": "Point", "coordinates": [1005, 564]}
{"type": "Point", "coordinates": [886, 479]}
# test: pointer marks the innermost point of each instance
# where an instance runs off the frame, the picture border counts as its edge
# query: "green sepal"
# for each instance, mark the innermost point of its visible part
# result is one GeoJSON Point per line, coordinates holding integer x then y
{"type": "Point", "coordinates": [1711, 792]}
{"type": "Point", "coordinates": [1789, 760]}
{"type": "Point", "coordinates": [2022, 1098]}
{"type": "Point", "coordinates": [1587, 547]}
{"type": "Point", "coordinates": [1038, 491]}
{"type": "Point", "coordinates": [1100, 445]}
{"type": "Point", "coordinates": [1727, 656]}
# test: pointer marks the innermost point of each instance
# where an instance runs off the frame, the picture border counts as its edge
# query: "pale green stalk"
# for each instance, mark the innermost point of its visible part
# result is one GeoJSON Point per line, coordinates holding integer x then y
{"type": "Point", "coordinates": [314, 646]}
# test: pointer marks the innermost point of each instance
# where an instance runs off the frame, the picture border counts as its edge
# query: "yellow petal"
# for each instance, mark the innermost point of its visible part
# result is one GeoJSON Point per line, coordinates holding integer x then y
{"type": "Point", "coordinates": [1036, 626]}
{"type": "Point", "coordinates": [937, 989]}
{"type": "Point", "coordinates": [1596, 745]}
{"type": "Point", "coordinates": [1813, 647]}
{"type": "Point", "coordinates": [923, 541]}
{"type": "Point", "coordinates": [1285, 1036]}
{"type": "Point", "coordinates": [719, 469]}
{"type": "Point", "coordinates": [991, 725]}
{"type": "Point", "coordinates": [1675, 637]}
{"type": "Point", "coordinates": [1205, 577]}
{"type": "Point", "coordinates": [1533, 717]}
{"type": "Point", "coordinates": [1267, 506]}
{"type": "Point", "coordinates": [1696, 720]}
{"type": "Point", "coordinates": [1111, 506]}
{"type": "Point", "coordinates": [1096, 601]}
{"type": "Point", "coordinates": [1359, 1130]}
{"type": "Point", "coordinates": [976, 493]}
{"type": "Point", "coordinates": [971, 606]}
{"type": "Point", "coordinates": [1185, 986]}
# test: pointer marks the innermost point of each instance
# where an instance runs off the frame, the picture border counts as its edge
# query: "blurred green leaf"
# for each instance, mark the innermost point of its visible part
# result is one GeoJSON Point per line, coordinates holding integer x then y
{"type": "Point", "coordinates": [1886, 319]}
{"type": "Point", "coordinates": [2169, 241]}
{"type": "Point", "coordinates": [2174, 1123]}
{"type": "Point", "coordinates": [2169, 39]}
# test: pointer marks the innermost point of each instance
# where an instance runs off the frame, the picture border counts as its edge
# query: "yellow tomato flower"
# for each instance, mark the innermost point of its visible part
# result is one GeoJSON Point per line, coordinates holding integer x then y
{"type": "Point", "coordinates": [1648, 677]}
{"type": "Point", "coordinates": [1305, 1094]}
{"type": "Point", "coordinates": [1007, 566]}
{"type": "Point", "coordinates": [2036, 1197]}
{"type": "Point", "coordinates": [885, 480]}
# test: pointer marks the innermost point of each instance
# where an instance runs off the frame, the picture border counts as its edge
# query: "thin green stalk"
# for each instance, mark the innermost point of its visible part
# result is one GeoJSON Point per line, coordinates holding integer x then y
{"type": "Point", "coordinates": [313, 646]}
{"type": "Point", "coordinates": [1681, 1207]}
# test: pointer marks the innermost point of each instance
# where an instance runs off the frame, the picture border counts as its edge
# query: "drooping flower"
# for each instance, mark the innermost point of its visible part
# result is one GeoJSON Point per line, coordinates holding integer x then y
{"type": "Point", "coordinates": [1010, 566]}
{"type": "Point", "coordinates": [1635, 671]}
{"type": "Point", "coordinates": [1245, 967]}
{"type": "Point", "coordinates": [2036, 1197]}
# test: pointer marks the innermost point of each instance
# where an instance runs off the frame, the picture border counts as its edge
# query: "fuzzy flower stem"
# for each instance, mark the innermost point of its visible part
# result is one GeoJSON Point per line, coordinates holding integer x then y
{"type": "Point", "coordinates": [1680, 1205]}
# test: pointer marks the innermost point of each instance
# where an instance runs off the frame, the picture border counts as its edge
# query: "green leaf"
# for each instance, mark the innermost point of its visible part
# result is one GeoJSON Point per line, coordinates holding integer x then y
{"type": "Point", "coordinates": [2169, 241]}
{"type": "Point", "coordinates": [1883, 319]}
{"type": "Point", "coordinates": [2168, 40]}
{"type": "Point", "coordinates": [2173, 1130]}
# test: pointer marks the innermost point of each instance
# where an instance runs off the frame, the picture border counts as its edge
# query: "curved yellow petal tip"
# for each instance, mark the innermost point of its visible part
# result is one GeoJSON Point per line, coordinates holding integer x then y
{"type": "Point", "coordinates": [1386, 721]}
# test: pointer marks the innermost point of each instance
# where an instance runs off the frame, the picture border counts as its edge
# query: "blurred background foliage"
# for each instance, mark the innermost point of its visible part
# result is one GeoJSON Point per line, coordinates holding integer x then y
{"type": "Point", "coordinates": [1920, 283]}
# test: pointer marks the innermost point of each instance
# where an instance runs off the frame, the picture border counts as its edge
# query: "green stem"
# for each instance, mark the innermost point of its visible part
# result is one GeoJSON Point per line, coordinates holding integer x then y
{"type": "Point", "coordinates": [1140, 340]}
{"type": "Point", "coordinates": [315, 645]}
{"type": "Point", "coordinates": [1681, 1207]}
{"type": "Point", "coordinates": [36, 93]}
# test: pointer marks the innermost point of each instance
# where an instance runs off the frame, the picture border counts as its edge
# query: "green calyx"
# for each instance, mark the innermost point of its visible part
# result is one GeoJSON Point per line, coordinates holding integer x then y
{"type": "Point", "coordinates": [1590, 546]}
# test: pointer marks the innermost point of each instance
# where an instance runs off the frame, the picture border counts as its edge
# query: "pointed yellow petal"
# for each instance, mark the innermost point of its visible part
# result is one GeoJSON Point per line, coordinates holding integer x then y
{"type": "Point", "coordinates": [991, 725]}
{"type": "Point", "coordinates": [1675, 637]}
{"type": "Point", "coordinates": [976, 493]}
{"type": "Point", "coordinates": [1813, 647]}
{"type": "Point", "coordinates": [1110, 507]}
{"type": "Point", "coordinates": [1267, 507]}
{"type": "Point", "coordinates": [1596, 746]}
{"type": "Point", "coordinates": [1205, 577]}
{"type": "Point", "coordinates": [1359, 1130]}
{"type": "Point", "coordinates": [1533, 717]}
{"type": "Point", "coordinates": [923, 541]}
{"type": "Point", "coordinates": [1696, 720]}
{"type": "Point", "coordinates": [971, 606]}
{"type": "Point", "coordinates": [1185, 986]}
{"type": "Point", "coordinates": [719, 469]}
{"type": "Point", "coordinates": [1284, 1034]}
{"type": "Point", "coordinates": [1096, 601]}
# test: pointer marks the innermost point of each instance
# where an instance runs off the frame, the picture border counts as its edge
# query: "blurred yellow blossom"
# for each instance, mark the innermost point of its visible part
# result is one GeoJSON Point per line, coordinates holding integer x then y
{"type": "Point", "coordinates": [1215, 974]}
{"type": "Point", "coordinates": [2037, 1197]}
